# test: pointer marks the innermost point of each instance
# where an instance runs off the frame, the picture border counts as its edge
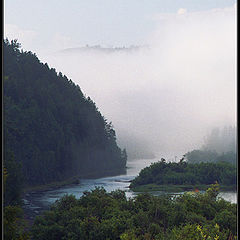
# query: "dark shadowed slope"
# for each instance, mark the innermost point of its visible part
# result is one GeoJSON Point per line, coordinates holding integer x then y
{"type": "Point", "coordinates": [50, 127]}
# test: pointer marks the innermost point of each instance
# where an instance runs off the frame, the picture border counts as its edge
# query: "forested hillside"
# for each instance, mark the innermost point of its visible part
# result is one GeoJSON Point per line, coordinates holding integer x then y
{"type": "Point", "coordinates": [51, 130]}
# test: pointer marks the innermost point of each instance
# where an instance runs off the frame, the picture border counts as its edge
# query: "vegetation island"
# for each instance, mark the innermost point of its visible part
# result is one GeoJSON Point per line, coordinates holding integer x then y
{"type": "Point", "coordinates": [184, 176]}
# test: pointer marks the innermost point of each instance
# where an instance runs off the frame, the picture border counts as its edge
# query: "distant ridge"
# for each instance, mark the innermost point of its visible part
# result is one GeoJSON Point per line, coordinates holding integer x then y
{"type": "Point", "coordinates": [99, 48]}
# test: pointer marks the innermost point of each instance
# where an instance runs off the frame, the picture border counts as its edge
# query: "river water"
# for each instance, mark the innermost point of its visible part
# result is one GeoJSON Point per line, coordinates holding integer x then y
{"type": "Point", "coordinates": [36, 202]}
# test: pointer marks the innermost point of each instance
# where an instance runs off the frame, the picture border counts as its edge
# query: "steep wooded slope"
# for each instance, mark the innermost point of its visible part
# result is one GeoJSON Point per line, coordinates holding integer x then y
{"type": "Point", "coordinates": [50, 127]}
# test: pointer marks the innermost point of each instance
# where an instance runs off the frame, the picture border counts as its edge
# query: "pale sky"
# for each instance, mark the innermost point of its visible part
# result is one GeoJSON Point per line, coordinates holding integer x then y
{"type": "Point", "coordinates": [58, 24]}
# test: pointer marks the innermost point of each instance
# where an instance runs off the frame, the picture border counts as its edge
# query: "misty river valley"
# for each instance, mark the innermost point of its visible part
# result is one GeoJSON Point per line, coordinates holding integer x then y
{"type": "Point", "coordinates": [119, 120]}
{"type": "Point", "coordinates": [36, 202]}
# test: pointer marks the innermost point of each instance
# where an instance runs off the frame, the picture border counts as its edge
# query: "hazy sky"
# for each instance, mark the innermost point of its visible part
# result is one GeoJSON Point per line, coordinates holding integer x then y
{"type": "Point", "coordinates": [165, 98]}
{"type": "Point", "coordinates": [57, 24]}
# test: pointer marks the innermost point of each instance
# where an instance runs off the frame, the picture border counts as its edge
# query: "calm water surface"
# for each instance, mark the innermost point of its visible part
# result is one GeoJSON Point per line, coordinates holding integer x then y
{"type": "Point", "coordinates": [34, 203]}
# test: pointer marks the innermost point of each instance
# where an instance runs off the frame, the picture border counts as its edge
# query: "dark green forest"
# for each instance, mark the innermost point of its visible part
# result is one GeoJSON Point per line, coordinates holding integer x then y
{"type": "Point", "coordinates": [52, 131]}
{"type": "Point", "coordinates": [183, 173]}
{"type": "Point", "coordinates": [101, 215]}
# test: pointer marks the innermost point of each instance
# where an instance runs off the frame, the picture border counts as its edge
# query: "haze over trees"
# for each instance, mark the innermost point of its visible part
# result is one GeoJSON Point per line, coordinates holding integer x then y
{"type": "Point", "coordinates": [221, 140]}
{"type": "Point", "coordinates": [219, 146]}
{"type": "Point", "coordinates": [50, 128]}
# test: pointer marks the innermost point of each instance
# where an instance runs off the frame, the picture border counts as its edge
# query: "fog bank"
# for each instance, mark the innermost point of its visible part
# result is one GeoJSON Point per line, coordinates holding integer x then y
{"type": "Point", "coordinates": [163, 98]}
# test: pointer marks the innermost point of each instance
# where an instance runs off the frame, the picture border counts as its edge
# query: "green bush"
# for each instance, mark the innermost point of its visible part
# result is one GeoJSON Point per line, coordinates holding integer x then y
{"type": "Point", "coordinates": [101, 215]}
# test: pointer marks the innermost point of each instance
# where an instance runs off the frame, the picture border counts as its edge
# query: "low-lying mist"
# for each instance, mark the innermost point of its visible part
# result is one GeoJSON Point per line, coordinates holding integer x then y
{"type": "Point", "coordinates": [166, 97]}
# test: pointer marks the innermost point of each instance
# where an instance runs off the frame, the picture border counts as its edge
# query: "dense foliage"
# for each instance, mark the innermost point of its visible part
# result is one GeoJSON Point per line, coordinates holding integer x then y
{"type": "Point", "coordinates": [186, 173]}
{"type": "Point", "coordinates": [99, 215]}
{"type": "Point", "coordinates": [13, 180]}
{"type": "Point", "coordinates": [52, 130]}
{"type": "Point", "coordinates": [14, 226]}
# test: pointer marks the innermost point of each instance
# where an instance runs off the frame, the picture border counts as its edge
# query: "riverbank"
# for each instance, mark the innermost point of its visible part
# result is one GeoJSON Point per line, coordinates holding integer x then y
{"type": "Point", "coordinates": [52, 185]}
{"type": "Point", "coordinates": [178, 188]}
{"type": "Point", "coordinates": [36, 202]}
{"type": "Point", "coordinates": [71, 181]}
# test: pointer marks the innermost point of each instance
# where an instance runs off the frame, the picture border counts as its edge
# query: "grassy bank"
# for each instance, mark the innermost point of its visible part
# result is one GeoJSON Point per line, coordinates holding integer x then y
{"type": "Point", "coordinates": [178, 188]}
{"type": "Point", "coordinates": [70, 181]}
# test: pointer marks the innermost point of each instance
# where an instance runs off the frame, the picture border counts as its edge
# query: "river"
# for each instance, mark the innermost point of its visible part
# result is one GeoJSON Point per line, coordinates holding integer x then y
{"type": "Point", "coordinates": [36, 202]}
